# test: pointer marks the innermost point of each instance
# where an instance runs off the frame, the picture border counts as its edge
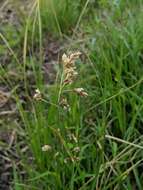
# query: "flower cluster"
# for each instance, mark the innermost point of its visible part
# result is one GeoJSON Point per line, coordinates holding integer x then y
{"type": "Point", "coordinates": [64, 103]}
{"type": "Point", "coordinates": [46, 148]}
{"type": "Point", "coordinates": [37, 96]}
{"type": "Point", "coordinates": [69, 67]}
{"type": "Point", "coordinates": [81, 92]}
{"type": "Point", "coordinates": [69, 75]}
{"type": "Point", "coordinates": [70, 72]}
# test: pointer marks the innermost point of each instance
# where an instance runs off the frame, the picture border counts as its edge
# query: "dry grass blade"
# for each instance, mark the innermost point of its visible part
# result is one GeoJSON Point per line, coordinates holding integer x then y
{"type": "Point", "coordinates": [123, 141]}
{"type": "Point", "coordinates": [4, 97]}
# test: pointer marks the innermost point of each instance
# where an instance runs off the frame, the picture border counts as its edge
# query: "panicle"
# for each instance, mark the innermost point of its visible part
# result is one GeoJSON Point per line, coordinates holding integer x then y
{"type": "Point", "coordinates": [69, 67]}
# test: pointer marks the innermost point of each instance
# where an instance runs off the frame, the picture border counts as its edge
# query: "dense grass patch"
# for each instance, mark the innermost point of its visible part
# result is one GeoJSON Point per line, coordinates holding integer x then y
{"type": "Point", "coordinates": [76, 142]}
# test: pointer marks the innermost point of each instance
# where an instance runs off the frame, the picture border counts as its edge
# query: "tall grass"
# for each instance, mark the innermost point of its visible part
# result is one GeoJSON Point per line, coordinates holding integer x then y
{"type": "Point", "coordinates": [97, 143]}
{"type": "Point", "coordinates": [60, 17]}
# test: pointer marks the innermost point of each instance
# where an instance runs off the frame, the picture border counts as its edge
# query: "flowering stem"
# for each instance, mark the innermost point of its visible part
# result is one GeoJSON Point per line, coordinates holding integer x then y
{"type": "Point", "coordinates": [61, 86]}
{"type": "Point", "coordinates": [49, 103]}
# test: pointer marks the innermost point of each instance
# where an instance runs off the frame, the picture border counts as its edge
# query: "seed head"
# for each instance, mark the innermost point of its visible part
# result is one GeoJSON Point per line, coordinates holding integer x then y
{"type": "Point", "coordinates": [46, 148]}
{"type": "Point", "coordinates": [37, 96]}
{"type": "Point", "coordinates": [64, 103]}
{"type": "Point", "coordinates": [69, 68]}
{"type": "Point", "coordinates": [76, 149]}
{"type": "Point", "coordinates": [81, 92]}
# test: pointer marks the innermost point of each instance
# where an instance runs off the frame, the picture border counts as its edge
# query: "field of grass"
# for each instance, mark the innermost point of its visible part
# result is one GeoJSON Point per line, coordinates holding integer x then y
{"type": "Point", "coordinates": [71, 95]}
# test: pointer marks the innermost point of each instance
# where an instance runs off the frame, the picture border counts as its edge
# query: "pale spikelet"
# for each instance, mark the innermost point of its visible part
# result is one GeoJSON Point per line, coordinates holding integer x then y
{"type": "Point", "coordinates": [37, 96]}
{"type": "Point", "coordinates": [46, 148]}
{"type": "Point", "coordinates": [81, 92]}
{"type": "Point", "coordinates": [72, 159]}
{"type": "Point", "coordinates": [74, 56]}
{"type": "Point", "coordinates": [69, 61]}
{"type": "Point", "coordinates": [71, 137]}
{"type": "Point", "coordinates": [69, 68]}
{"type": "Point", "coordinates": [65, 59]}
{"type": "Point", "coordinates": [64, 103]}
{"type": "Point", "coordinates": [76, 149]}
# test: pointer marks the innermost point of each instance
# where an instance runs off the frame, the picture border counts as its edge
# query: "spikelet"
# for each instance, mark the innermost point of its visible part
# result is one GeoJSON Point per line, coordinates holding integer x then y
{"type": "Point", "coordinates": [46, 148]}
{"type": "Point", "coordinates": [37, 96]}
{"type": "Point", "coordinates": [69, 67]}
{"type": "Point", "coordinates": [64, 103]}
{"type": "Point", "coordinates": [81, 92]}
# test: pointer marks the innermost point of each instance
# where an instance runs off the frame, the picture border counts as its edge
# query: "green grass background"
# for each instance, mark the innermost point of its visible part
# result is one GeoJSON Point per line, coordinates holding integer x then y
{"type": "Point", "coordinates": [107, 125]}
